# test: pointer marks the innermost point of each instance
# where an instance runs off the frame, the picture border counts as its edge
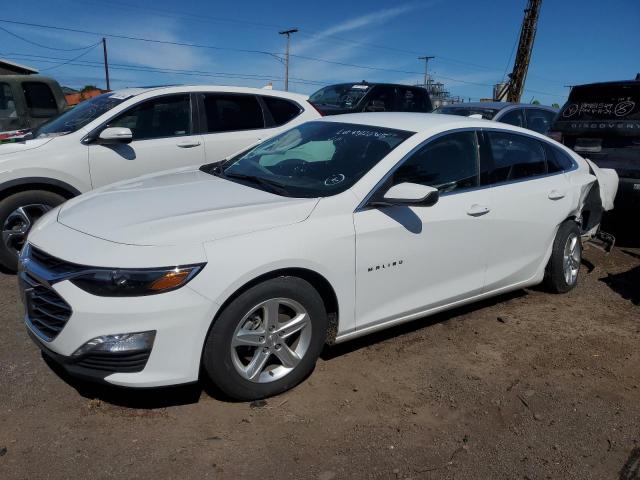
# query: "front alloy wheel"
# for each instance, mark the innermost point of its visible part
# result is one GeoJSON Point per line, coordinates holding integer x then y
{"type": "Point", "coordinates": [271, 340]}
{"type": "Point", "coordinates": [267, 339]}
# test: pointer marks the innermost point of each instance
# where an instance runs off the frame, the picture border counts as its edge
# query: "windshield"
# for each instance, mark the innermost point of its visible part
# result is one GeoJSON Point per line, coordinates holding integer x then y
{"type": "Point", "coordinates": [315, 159]}
{"type": "Point", "coordinates": [346, 95]}
{"type": "Point", "coordinates": [79, 116]}
{"type": "Point", "coordinates": [603, 102]}
{"type": "Point", "coordinates": [487, 113]}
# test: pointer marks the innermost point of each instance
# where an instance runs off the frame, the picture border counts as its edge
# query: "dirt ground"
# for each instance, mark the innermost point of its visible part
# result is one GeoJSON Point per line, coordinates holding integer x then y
{"type": "Point", "coordinates": [528, 385]}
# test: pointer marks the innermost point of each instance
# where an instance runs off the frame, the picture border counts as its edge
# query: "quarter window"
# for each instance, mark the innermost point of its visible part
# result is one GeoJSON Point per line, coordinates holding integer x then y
{"type": "Point", "coordinates": [281, 110]}
{"type": "Point", "coordinates": [510, 156]}
{"type": "Point", "coordinates": [514, 117]}
{"type": "Point", "coordinates": [557, 160]}
{"type": "Point", "coordinates": [167, 116]}
{"type": "Point", "coordinates": [448, 163]}
{"type": "Point", "coordinates": [39, 96]}
{"type": "Point", "coordinates": [227, 113]}
{"type": "Point", "coordinates": [539, 120]}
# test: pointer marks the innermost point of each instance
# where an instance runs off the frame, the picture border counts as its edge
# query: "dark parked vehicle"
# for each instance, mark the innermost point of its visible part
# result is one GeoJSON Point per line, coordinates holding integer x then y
{"type": "Point", "coordinates": [601, 121]}
{"type": "Point", "coordinates": [534, 117]}
{"type": "Point", "coordinates": [370, 97]}
{"type": "Point", "coordinates": [27, 101]}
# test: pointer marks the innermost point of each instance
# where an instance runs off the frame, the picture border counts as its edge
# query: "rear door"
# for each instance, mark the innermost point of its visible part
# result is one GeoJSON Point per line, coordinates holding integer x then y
{"type": "Point", "coordinates": [528, 203]}
{"type": "Point", "coordinates": [163, 138]}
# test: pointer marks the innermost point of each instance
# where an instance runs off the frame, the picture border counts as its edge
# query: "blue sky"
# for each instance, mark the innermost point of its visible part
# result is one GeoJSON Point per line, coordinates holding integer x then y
{"type": "Point", "coordinates": [578, 41]}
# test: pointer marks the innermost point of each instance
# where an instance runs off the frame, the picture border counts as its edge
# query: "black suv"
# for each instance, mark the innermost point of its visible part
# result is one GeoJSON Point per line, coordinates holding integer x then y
{"type": "Point", "coordinates": [370, 97]}
{"type": "Point", "coordinates": [601, 122]}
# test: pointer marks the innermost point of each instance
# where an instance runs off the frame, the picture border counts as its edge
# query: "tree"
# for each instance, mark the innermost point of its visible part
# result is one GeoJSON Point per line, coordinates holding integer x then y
{"type": "Point", "coordinates": [535, 102]}
{"type": "Point", "coordinates": [88, 88]}
{"type": "Point", "coordinates": [555, 105]}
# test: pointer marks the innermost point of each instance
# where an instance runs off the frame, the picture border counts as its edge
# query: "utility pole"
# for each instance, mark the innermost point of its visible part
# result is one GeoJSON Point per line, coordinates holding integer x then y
{"type": "Point", "coordinates": [106, 62]}
{"type": "Point", "coordinates": [286, 58]}
{"type": "Point", "coordinates": [426, 64]}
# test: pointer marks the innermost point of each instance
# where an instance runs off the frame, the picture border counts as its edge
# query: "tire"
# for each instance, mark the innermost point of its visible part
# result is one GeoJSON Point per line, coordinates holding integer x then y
{"type": "Point", "coordinates": [561, 274]}
{"type": "Point", "coordinates": [18, 213]}
{"type": "Point", "coordinates": [246, 319]}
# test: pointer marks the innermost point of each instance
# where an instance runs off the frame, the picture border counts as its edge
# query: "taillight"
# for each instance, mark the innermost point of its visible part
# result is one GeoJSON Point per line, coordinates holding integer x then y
{"type": "Point", "coordinates": [557, 136]}
{"type": "Point", "coordinates": [316, 109]}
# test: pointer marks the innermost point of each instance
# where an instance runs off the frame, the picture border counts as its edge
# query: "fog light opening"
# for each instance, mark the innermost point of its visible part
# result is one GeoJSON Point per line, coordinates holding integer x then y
{"type": "Point", "coordinates": [118, 343]}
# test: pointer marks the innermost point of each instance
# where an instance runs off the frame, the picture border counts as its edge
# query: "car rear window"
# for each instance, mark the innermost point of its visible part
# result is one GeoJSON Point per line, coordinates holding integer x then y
{"type": "Point", "coordinates": [603, 102]}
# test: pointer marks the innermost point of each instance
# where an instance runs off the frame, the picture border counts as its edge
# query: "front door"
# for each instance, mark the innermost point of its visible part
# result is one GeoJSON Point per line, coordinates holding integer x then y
{"type": "Point", "coordinates": [410, 259]}
{"type": "Point", "coordinates": [163, 138]}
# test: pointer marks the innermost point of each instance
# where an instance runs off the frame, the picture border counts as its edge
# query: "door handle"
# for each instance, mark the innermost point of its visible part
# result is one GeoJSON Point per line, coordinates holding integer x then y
{"type": "Point", "coordinates": [478, 210]}
{"type": "Point", "coordinates": [555, 195]}
{"type": "Point", "coordinates": [189, 144]}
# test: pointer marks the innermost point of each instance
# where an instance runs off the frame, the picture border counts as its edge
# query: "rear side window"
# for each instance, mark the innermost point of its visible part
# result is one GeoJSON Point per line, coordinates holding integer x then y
{"type": "Point", "coordinates": [39, 95]}
{"type": "Point", "coordinates": [381, 99]}
{"type": "Point", "coordinates": [557, 160]}
{"type": "Point", "coordinates": [282, 110]}
{"type": "Point", "coordinates": [412, 100]}
{"type": "Point", "coordinates": [228, 113]}
{"type": "Point", "coordinates": [448, 163]}
{"type": "Point", "coordinates": [509, 156]}
{"type": "Point", "coordinates": [539, 120]}
{"type": "Point", "coordinates": [166, 116]}
{"type": "Point", "coordinates": [514, 117]}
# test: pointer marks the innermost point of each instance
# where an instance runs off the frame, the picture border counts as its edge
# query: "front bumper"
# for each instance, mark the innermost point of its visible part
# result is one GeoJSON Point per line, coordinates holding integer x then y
{"type": "Point", "coordinates": [180, 319]}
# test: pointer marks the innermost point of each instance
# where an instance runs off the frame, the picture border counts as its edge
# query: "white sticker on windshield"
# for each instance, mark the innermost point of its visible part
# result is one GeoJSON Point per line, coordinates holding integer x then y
{"type": "Point", "coordinates": [120, 96]}
{"type": "Point", "coordinates": [360, 87]}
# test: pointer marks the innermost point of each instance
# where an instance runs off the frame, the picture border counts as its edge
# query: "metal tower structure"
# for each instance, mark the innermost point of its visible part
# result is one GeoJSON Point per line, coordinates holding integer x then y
{"type": "Point", "coordinates": [514, 87]}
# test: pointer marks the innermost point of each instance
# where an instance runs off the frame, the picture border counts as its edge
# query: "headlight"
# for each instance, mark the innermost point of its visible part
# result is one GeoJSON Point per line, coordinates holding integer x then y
{"type": "Point", "coordinates": [135, 283]}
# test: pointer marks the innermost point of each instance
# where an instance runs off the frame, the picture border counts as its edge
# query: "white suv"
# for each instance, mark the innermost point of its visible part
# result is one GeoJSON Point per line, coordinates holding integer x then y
{"type": "Point", "coordinates": [331, 230]}
{"type": "Point", "coordinates": [128, 133]}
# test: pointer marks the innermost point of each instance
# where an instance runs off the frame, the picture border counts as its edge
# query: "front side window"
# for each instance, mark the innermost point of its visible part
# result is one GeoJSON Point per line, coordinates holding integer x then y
{"type": "Point", "coordinates": [448, 163]}
{"type": "Point", "coordinates": [315, 159]}
{"type": "Point", "coordinates": [228, 113]}
{"type": "Point", "coordinates": [509, 156]}
{"type": "Point", "coordinates": [539, 120]}
{"type": "Point", "coordinates": [281, 110]}
{"type": "Point", "coordinates": [514, 117]}
{"type": "Point", "coordinates": [167, 116]}
{"type": "Point", "coordinates": [344, 95]}
{"type": "Point", "coordinates": [7, 103]}
{"type": "Point", "coordinates": [79, 116]}
{"type": "Point", "coordinates": [39, 96]}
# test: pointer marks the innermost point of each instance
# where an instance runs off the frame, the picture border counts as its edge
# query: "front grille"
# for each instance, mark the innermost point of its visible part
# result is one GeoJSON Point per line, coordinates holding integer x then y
{"type": "Point", "coordinates": [50, 262]}
{"type": "Point", "coordinates": [124, 362]}
{"type": "Point", "coordinates": [47, 311]}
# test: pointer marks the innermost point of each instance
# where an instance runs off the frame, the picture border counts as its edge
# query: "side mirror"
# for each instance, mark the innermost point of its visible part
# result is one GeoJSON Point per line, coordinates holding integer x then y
{"type": "Point", "coordinates": [113, 135]}
{"type": "Point", "coordinates": [410, 195]}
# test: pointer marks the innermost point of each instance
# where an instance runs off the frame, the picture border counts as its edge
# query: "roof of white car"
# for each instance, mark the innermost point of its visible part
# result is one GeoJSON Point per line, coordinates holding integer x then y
{"type": "Point", "coordinates": [412, 122]}
{"type": "Point", "coordinates": [130, 92]}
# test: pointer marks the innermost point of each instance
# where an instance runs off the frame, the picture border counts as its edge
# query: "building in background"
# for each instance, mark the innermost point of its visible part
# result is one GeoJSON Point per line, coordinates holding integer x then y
{"type": "Point", "coordinates": [11, 68]}
{"type": "Point", "coordinates": [438, 93]}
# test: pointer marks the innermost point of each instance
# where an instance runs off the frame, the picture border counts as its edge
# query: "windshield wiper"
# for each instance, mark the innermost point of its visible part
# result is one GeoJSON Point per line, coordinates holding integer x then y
{"type": "Point", "coordinates": [272, 186]}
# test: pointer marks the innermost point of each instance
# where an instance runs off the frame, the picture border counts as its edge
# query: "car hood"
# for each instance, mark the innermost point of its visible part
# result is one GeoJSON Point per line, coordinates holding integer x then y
{"type": "Point", "coordinates": [179, 207]}
{"type": "Point", "coordinates": [15, 147]}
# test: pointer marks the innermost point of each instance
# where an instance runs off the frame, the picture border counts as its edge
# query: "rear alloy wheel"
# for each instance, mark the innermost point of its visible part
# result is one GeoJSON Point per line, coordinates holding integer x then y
{"type": "Point", "coordinates": [18, 213]}
{"type": "Point", "coordinates": [267, 340]}
{"type": "Point", "coordinates": [561, 274]}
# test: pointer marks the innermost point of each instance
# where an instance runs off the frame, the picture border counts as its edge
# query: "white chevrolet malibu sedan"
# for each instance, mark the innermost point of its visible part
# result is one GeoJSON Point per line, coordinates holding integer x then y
{"type": "Point", "coordinates": [244, 269]}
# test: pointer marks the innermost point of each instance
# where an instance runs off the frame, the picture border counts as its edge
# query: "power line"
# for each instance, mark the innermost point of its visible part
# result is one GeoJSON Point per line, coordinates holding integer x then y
{"type": "Point", "coordinates": [71, 59]}
{"type": "Point", "coordinates": [239, 50]}
{"type": "Point", "coordinates": [44, 46]}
